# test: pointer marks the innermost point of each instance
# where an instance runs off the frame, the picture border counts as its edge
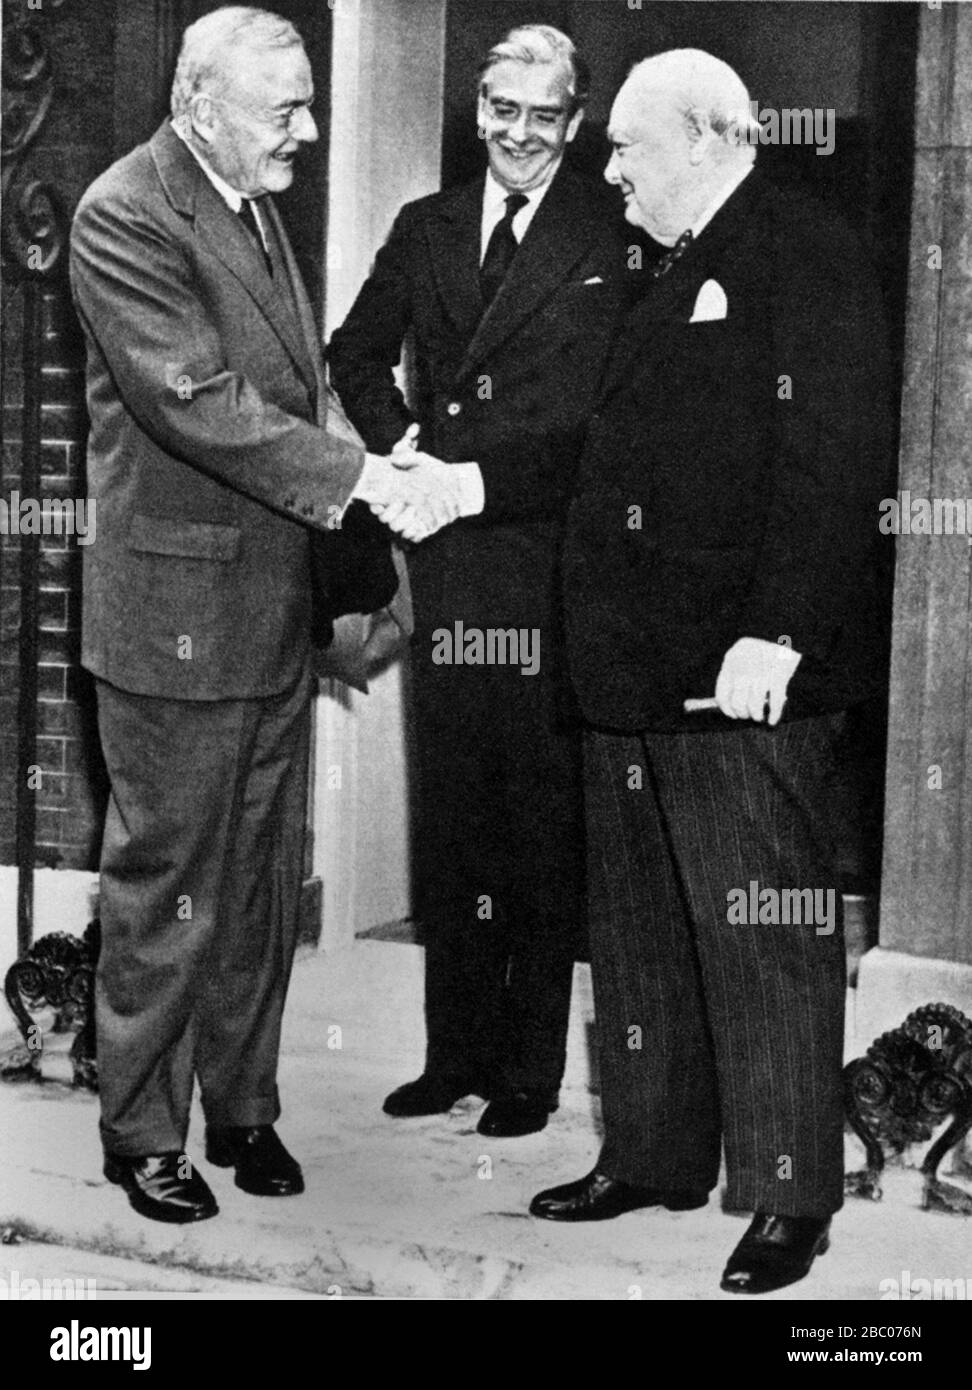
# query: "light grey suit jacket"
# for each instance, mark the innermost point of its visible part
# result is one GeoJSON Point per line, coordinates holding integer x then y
{"type": "Point", "coordinates": [215, 444]}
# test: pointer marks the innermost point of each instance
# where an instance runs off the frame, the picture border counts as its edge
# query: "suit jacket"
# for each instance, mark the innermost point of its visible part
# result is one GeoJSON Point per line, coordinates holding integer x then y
{"type": "Point", "coordinates": [756, 449]}
{"type": "Point", "coordinates": [509, 389]}
{"type": "Point", "coordinates": [214, 446]}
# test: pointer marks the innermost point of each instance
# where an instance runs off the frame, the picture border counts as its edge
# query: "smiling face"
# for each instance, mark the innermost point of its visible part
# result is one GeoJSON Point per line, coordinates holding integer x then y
{"type": "Point", "coordinates": [524, 112]}
{"type": "Point", "coordinates": [655, 162]}
{"type": "Point", "coordinates": [253, 128]}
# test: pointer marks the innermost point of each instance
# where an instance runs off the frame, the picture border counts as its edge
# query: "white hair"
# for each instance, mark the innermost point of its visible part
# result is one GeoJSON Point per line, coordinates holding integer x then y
{"type": "Point", "coordinates": [208, 45]}
{"type": "Point", "coordinates": [697, 81]}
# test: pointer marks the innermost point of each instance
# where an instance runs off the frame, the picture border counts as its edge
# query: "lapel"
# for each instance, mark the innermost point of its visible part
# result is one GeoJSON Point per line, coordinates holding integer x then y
{"type": "Point", "coordinates": [313, 359]}
{"type": "Point", "coordinates": [191, 193]}
{"type": "Point", "coordinates": [564, 227]}
{"type": "Point", "coordinates": [454, 238]}
{"type": "Point", "coordinates": [672, 298]}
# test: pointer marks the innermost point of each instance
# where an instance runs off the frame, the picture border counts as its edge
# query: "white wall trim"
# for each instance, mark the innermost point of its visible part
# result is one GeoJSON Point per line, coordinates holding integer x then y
{"type": "Point", "coordinates": [385, 143]}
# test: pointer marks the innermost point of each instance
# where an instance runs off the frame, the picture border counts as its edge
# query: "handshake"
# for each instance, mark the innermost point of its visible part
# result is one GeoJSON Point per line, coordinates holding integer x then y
{"type": "Point", "coordinates": [415, 494]}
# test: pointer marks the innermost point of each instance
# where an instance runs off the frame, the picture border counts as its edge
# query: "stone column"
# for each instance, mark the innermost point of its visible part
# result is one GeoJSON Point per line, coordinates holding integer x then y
{"type": "Point", "coordinates": [925, 951]}
{"type": "Point", "coordinates": [385, 149]}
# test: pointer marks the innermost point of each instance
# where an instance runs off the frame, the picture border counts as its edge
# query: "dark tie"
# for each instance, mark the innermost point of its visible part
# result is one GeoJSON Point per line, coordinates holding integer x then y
{"type": "Point", "coordinates": [248, 218]}
{"type": "Point", "coordinates": [501, 249]}
{"type": "Point", "coordinates": [663, 266]}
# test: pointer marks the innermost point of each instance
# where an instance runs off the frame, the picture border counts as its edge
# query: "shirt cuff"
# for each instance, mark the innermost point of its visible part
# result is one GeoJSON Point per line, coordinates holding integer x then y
{"type": "Point", "coordinates": [471, 490]}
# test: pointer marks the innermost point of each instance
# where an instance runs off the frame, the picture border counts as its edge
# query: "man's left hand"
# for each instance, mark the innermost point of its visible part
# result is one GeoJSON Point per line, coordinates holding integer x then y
{"type": "Point", "coordinates": [755, 674]}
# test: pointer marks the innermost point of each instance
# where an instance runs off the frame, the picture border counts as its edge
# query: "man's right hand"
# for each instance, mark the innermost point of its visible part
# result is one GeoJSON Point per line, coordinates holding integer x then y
{"type": "Point", "coordinates": [414, 500]}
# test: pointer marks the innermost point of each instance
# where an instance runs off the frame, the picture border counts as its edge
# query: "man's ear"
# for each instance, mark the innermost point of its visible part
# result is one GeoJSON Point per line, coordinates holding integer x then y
{"type": "Point", "coordinates": [574, 124]}
{"type": "Point", "coordinates": [201, 117]}
{"type": "Point", "coordinates": [699, 132]}
{"type": "Point", "coordinates": [482, 112]}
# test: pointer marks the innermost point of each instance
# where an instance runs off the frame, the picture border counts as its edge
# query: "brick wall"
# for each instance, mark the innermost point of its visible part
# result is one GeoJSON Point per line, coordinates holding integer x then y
{"type": "Point", "coordinates": [74, 145]}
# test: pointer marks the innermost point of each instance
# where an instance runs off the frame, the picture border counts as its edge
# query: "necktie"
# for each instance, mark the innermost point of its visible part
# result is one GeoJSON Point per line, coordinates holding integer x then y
{"type": "Point", "coordinates": [675, 253]}
{"type": "Point", "coordinates": [248, 218]}
{"type": "Point", "coordinates": [501, 249]}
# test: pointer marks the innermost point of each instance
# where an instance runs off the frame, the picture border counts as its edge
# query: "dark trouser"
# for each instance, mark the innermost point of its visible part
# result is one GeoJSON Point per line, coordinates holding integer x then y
{"type": "Point", "coordinates": [499, 819]}
{"type": "Point", "coordinates": [709, 1029]}
{"type": "Point", "coordinates": [201, 871]}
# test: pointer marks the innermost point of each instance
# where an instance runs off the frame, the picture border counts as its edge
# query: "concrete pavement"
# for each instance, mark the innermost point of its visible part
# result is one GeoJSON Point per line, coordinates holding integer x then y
{"type": "Point", "coordinates": [410, 1209]}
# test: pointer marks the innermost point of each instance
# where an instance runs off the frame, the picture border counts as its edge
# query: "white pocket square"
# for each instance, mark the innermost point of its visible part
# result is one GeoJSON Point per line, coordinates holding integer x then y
{"type": "Point", "coordinates": [711, 303]}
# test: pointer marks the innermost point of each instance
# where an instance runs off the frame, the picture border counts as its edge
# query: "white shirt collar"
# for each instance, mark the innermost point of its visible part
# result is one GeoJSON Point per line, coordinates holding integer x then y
{"type": "Point", "coordinates": [495, 195]}
{"type": "Point", "coordinates": [229, 194]}
{"type": "Point", "coordinates": [494, 207]}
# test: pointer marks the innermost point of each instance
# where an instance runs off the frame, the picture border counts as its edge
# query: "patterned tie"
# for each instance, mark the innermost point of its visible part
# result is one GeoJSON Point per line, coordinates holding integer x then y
{"type": "Point", "coordinates": [675, 253]}
{"type": "Point", "coordinates": [248, 218]}
{"type": "Point", "coordinates": [501, 249]}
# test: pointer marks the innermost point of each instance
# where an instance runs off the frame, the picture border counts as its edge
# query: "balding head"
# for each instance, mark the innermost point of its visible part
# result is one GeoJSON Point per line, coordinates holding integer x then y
{"type": "Point", "coordinates": [680, 128]}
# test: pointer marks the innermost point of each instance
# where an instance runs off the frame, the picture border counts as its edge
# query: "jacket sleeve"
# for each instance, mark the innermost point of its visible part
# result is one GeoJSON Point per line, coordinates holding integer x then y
{"type": "Point", "coordinates": [135, 290]}
{"type": "Point", "coordinates": [832, 443]}
{"type": "Point", "coordinates": [529, 481]}
{"type": "Point", "coordinates": [364, 352]}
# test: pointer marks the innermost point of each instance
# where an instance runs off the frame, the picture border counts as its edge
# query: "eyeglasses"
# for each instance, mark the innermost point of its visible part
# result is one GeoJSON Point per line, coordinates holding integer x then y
{"type": "Point", "coordinates": [282, 122]}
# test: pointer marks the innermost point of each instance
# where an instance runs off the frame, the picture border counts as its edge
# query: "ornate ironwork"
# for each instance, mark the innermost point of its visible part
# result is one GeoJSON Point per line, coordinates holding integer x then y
{"type": "Point", "coordinates": [56, 973]}
{"type": "Point", "coordinates": [33, 215]}
{"type": "Point", "coordinates": [907, 1085]}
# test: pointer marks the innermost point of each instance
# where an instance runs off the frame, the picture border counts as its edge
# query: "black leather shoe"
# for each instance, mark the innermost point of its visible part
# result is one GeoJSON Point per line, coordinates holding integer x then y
{"type": "Point", "coordinates": [598, 1198]}
{"type": "Point", "coordinates": [263, 1166]}
{"type": "Point", "coordinates": [517, 1112]}
{"type": "Point", "coordinates": [432, 1094]}
{"type": "Point", "coordinates": [163, 1187]}
{"type": "Point", "coordinates": [774, 1252]}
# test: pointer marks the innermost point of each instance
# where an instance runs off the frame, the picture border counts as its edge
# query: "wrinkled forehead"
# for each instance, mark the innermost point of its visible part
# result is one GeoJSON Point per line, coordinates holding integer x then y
{"type": "Point", "coordinates": [640, 109]}
{"type": "Point", "coordinates": [269, 75]}
{"type": "Point", "coordinates": [537, 85]}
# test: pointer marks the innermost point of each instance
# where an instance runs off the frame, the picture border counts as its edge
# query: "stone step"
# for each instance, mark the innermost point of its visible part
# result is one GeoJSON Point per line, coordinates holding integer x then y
{"type": "Point", "coordinates": [422, 1208]}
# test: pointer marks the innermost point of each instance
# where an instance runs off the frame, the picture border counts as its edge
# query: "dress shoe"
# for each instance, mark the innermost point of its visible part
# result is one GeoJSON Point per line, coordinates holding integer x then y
{"type": "Point", "coordinates": [517, 1112]}
{"type": "Point", "coordinates": [598, 1198]}
{"type": "Point", "coordinates": [432, 1094]}
{"type": "Point", "coordinates": [774, 1252]}
{"type": "Point", "coordinates": [263, 1166]}
{"type": "Point", "coordinates": [163, 1187]}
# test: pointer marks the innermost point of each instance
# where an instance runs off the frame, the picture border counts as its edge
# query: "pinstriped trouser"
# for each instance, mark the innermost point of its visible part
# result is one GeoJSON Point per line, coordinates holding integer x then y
{"type": "Point", "coordinates": [741, 1026]}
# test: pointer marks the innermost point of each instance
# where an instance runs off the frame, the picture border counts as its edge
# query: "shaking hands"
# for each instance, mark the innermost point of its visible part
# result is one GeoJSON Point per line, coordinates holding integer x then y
{"type": "Point", "coordinates": [415, 494]}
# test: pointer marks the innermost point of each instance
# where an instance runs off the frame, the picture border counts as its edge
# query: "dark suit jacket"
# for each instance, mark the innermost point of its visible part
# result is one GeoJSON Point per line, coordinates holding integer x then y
{"type": "Point", "coordinates": [758, 512]}
{"type": "Point", "coordinates": [510, 390]}
{"type": "Point", "coordinates": [214, 446]}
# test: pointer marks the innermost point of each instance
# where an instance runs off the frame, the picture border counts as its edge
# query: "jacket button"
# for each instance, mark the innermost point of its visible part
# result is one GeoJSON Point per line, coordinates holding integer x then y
{"type": "Point", "coordinates": [453, 408]}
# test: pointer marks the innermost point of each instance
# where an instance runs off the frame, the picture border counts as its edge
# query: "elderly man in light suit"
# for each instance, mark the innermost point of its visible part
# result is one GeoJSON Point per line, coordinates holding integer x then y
{"type": "Point", "coordinates": [223, 474]}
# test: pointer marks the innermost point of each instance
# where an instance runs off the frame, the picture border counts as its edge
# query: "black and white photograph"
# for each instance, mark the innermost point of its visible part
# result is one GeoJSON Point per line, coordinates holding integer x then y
{"type": "Point", "coordinates": [486, 663]}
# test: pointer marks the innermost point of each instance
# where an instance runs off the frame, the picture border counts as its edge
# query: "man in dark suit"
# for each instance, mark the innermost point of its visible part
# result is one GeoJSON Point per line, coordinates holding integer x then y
{"type": "Point", "coordinates": [722, 548]}
{"type": "Point", "coordinates": [511, 288]}
{"type": "Point", "coordinates": [214, 454]}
